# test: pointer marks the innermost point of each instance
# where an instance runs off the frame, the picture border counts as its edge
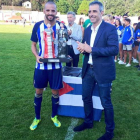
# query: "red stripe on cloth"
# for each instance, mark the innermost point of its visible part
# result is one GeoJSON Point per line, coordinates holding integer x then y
{"type": "Point", "coordinates": [66, 88]}
{"type": "Point", "coordinates": [46, 45]}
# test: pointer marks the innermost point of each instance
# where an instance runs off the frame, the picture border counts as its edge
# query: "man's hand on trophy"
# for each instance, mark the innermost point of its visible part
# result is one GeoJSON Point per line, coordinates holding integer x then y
{"type": "Point", "coordinates": [38, 59]}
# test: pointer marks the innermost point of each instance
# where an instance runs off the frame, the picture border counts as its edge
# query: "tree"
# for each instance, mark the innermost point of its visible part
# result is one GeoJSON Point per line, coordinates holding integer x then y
{"type": "Point", "coordinates": [55, 1]}
{"type": "Point", "coordinates": [135, 10]}
{"type": "Point", "coordinates": [83, 8]}
{"type": "Point", "coordinates": [75, 5]}
{"type": "Point", "coordinates": [113, 6]}
{"type": "Point", "coordinates": [120, 7]}
{"type": "Point", "coordinates": [37, 5]}
{"type": "Point", "coordinates": [62, 6]}
{"type": "Point", "coordinates": [17, 2]}
{"type": "Point", "coordinates": [70, 5]}
{"type": "Point", "coordinates": [6, 2]}
{"type": "Point", "coordinates": [117, 7]}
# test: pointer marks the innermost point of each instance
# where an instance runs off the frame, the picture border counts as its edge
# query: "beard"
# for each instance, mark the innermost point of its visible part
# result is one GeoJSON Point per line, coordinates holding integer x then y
{"type": "Point", "coordinates": [71, 23]}
{"type": "Point", "coordinates": [52, 18]}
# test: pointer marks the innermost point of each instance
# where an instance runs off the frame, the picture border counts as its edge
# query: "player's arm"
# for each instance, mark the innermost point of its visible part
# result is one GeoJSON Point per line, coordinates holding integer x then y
{"type": "Point", "coordinates": [34, 40]}
{"type": "Point", "coordinates": [138, 39]}
{"type": "Point", "coordinates": [34, 51]}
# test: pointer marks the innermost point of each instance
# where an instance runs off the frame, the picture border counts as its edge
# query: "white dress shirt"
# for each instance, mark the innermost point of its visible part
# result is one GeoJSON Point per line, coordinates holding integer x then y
{"type": "Point", "coordinates": [92, 39]}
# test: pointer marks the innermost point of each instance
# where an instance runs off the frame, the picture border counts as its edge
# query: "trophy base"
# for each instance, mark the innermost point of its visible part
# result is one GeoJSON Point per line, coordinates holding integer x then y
{"type": "Point", "coordinates": [51, 60]}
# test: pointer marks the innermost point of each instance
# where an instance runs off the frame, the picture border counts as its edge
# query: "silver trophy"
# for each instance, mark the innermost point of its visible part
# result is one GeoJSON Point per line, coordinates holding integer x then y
{"type": "Point", "coordinates": [49, 52]}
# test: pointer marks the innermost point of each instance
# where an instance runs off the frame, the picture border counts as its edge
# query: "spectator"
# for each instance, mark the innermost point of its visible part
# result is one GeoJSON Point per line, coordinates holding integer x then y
{"type": "Point", "coordinates": [81, 22]}
{"type": "Point", "coordinates": [139, 53]}
{"type": "Point", "coordinates": [87, 23]}
{"type": "Point", "coordinates": [120, 31]}
{"type": "Point", "coordinates": [24, 21]}
{"type": "Point", "coordinates": [137, 38]}
{"type": "Point", "coordinates": [123, 19]}
{"type": "Point", "coordinates": [136, 43]}
{"type": "Point", "coordinates": [106, 19]}
{"type": "Point", "coordinates": [75, 34]}
{"type": "Point", "coordinates": [127, 41]}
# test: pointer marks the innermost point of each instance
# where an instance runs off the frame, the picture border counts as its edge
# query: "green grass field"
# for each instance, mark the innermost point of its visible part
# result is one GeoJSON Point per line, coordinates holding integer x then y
{"type": "Point", "coordinates": [17, 93]}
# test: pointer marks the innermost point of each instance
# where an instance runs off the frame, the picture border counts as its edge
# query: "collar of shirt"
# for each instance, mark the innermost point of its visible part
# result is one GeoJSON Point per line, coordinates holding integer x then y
{"type": "Point", "coordinates": [96, 29]}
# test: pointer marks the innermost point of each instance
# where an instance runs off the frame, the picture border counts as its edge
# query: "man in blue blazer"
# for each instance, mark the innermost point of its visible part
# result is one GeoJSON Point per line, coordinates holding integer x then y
{"type": "Point", "coordinates": [100, 45]}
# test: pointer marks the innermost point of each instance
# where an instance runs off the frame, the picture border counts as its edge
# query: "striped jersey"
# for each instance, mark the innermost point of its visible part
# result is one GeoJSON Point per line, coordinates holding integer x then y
{"type": "Point", "coordinates": [37, 36]}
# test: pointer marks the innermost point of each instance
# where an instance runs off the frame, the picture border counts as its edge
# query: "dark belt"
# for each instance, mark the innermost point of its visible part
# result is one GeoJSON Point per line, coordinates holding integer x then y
{"type": "Point", "coordinates": [90, 66]}
{"type": "Point", "coordinates": [70, 46]}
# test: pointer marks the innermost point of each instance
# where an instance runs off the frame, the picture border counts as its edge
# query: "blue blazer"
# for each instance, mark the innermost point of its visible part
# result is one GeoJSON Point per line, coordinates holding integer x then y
{"type": "Point", "coordinates": [106, 46]}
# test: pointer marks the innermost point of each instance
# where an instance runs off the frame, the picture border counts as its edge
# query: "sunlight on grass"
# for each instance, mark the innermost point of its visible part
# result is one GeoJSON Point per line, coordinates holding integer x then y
{"type": "Point", "coordinates": [15, 29]}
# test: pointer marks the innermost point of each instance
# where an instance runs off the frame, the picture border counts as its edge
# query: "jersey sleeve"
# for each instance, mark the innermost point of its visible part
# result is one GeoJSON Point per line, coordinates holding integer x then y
{"type": "Point", "coordinates": [34, 37]}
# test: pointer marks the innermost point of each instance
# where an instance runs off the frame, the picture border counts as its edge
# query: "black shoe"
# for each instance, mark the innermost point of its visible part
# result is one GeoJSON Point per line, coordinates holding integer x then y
{"type": "Point", "coordinates": [136, 66]}
{"type": "Point", "coordinates": [82, 127]}
{"type": "Point", "coordinates": [107, 136]}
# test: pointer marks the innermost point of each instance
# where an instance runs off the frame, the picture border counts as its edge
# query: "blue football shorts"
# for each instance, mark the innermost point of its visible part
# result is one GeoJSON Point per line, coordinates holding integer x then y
{"type": "Point", "coordinates": [54, 77]}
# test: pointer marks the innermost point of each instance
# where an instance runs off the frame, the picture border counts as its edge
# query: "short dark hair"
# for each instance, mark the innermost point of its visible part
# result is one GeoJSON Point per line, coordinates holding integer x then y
{"type": "Point", "coordinates": [50, 2]}
{"type": "Point", "coordinates": [101, 7]}
{"type": "Point", "coordinates": [128, 20]}
{"type": "Point", "coordinates": [135, 24]}
{"type": "Point", "coordinates": [139, 18]}
{"type": "Point", "coordinates": [126, 15]}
